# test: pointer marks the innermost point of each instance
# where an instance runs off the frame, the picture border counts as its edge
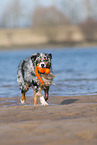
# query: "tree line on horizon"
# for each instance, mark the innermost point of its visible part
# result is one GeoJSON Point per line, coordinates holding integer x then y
{"type": "Point", "coordinates": [80, 13]}
{"type": "Point", "coordinates": [72, 12]}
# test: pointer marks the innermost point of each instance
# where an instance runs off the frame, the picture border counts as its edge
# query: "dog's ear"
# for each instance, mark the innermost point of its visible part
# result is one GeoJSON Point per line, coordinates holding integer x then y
{"type": "Point", "coordinates": [34, 56]}
{"type": "Point", "coordinates": [50, 56]}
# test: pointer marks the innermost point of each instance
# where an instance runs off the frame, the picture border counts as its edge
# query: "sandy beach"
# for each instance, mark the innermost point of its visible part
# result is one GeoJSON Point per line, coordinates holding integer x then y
{"type": "Point", "coordinates": [68, 120]}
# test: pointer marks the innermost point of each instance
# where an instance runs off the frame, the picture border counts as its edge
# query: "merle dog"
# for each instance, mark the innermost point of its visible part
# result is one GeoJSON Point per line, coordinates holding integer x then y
{"type": "Point", "coordinates": [26, 76]}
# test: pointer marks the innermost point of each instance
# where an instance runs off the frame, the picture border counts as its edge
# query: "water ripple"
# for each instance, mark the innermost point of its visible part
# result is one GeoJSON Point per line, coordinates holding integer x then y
{"type": "Point", "coordinates": [75, 71]}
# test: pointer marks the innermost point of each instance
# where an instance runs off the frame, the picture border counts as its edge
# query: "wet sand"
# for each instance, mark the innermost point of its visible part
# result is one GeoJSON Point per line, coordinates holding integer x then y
{"type": "Point", "coordinates": [70, 120]}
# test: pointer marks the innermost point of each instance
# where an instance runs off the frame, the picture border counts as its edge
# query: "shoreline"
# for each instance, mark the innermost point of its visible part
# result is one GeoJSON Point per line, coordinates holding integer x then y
{"type": "Point", "coordinates": [68, 120]}
{"type": "Point", "coordinates": [45, 37]}
{"type": "Point", "coordinates": [49, 46]}
{"type": "Point", "coordinates": [53, 100]}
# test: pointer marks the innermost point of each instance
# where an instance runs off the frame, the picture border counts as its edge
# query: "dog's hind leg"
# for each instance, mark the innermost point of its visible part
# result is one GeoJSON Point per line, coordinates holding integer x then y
{"type": "Point", "coordinates": [23, 94]}
{"type": "Point", "coordinates": [46, 93]}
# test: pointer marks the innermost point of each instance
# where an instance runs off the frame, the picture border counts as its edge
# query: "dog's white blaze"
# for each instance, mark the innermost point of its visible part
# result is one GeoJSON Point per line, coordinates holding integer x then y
{"type": "Point", "coordinates": [42, 63]}
{"type": "Point", "coordinates": [42, 101]}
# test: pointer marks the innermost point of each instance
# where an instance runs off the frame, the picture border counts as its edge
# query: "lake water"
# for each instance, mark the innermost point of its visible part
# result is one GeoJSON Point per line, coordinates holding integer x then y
{"type": "Point", "coordinates": [75, 70]}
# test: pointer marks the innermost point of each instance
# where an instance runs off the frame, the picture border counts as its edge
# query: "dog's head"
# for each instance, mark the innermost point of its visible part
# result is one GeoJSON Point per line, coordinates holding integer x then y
{"type": "Point", "coordinates": [42, 60]}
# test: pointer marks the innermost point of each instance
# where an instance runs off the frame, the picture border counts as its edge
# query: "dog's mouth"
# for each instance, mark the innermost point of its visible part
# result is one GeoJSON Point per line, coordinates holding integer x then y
{"type": "Point", "coordinates": [41, 68]}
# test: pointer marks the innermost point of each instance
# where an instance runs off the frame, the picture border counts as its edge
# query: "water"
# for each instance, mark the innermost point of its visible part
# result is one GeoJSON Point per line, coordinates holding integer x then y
{"type": "Point", "coordinates": [75, 70]}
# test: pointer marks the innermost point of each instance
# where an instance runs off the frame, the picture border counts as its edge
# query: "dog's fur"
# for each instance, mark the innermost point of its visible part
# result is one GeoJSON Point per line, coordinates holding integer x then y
{"type": "Point", "coordinates": [26, 76]}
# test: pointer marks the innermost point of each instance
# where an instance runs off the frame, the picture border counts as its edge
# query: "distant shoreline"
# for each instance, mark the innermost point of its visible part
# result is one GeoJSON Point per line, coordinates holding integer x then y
{"type": "Point", "coordinates": [45, 37]}
{"type": "Point", "coordinates": [48, 46]}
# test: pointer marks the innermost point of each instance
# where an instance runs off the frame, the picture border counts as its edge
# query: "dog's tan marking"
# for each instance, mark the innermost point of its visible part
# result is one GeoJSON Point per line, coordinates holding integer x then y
{"type": "Point", "coordinates": [35, 98]}
{"type": "Point", "coordinates": [23, 98]}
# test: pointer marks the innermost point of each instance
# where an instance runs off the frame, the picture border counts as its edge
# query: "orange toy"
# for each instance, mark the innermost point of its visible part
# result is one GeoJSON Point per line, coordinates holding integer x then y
{"type": "Point", "coordinates": [47, 70]}
{"type": "Point", "coordinates": [41, 70]}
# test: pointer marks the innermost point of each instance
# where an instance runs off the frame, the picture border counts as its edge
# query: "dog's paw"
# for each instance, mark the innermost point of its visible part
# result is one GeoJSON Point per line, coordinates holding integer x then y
{"type": "Point", "coordinates": [43, 102]}
{"type": "Point", "coordinates": [22, 101]}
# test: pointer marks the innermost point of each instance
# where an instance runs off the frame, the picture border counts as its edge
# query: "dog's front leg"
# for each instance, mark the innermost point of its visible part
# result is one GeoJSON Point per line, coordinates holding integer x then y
{"type": "Point", "coordinates": [42, 100]}
{"type": "Point", "coordinates": [23, 98]}
{"type": "Point", "coordinates": [35, 98]}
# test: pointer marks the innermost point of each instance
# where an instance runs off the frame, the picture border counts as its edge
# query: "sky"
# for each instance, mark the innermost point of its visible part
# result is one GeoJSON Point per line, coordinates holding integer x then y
{"type": "Point", "coordinates": [28, 4]}
{"type": "Point", "coordinates": [3, 3]}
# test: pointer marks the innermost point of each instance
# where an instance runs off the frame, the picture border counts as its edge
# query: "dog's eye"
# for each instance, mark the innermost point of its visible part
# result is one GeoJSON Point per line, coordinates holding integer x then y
{"type": "Point", "coordinates": [45, 58]}
{"type": "Point", "coordinates": [39, 60]}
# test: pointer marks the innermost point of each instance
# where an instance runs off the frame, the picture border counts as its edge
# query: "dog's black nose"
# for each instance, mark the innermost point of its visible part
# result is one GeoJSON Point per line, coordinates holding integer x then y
{"type": "Point", "coordinates": [42, 65]}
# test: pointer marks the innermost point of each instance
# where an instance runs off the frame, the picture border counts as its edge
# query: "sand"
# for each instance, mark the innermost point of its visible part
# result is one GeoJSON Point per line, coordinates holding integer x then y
{"type": "Point", "coordinates": [68, 120]}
